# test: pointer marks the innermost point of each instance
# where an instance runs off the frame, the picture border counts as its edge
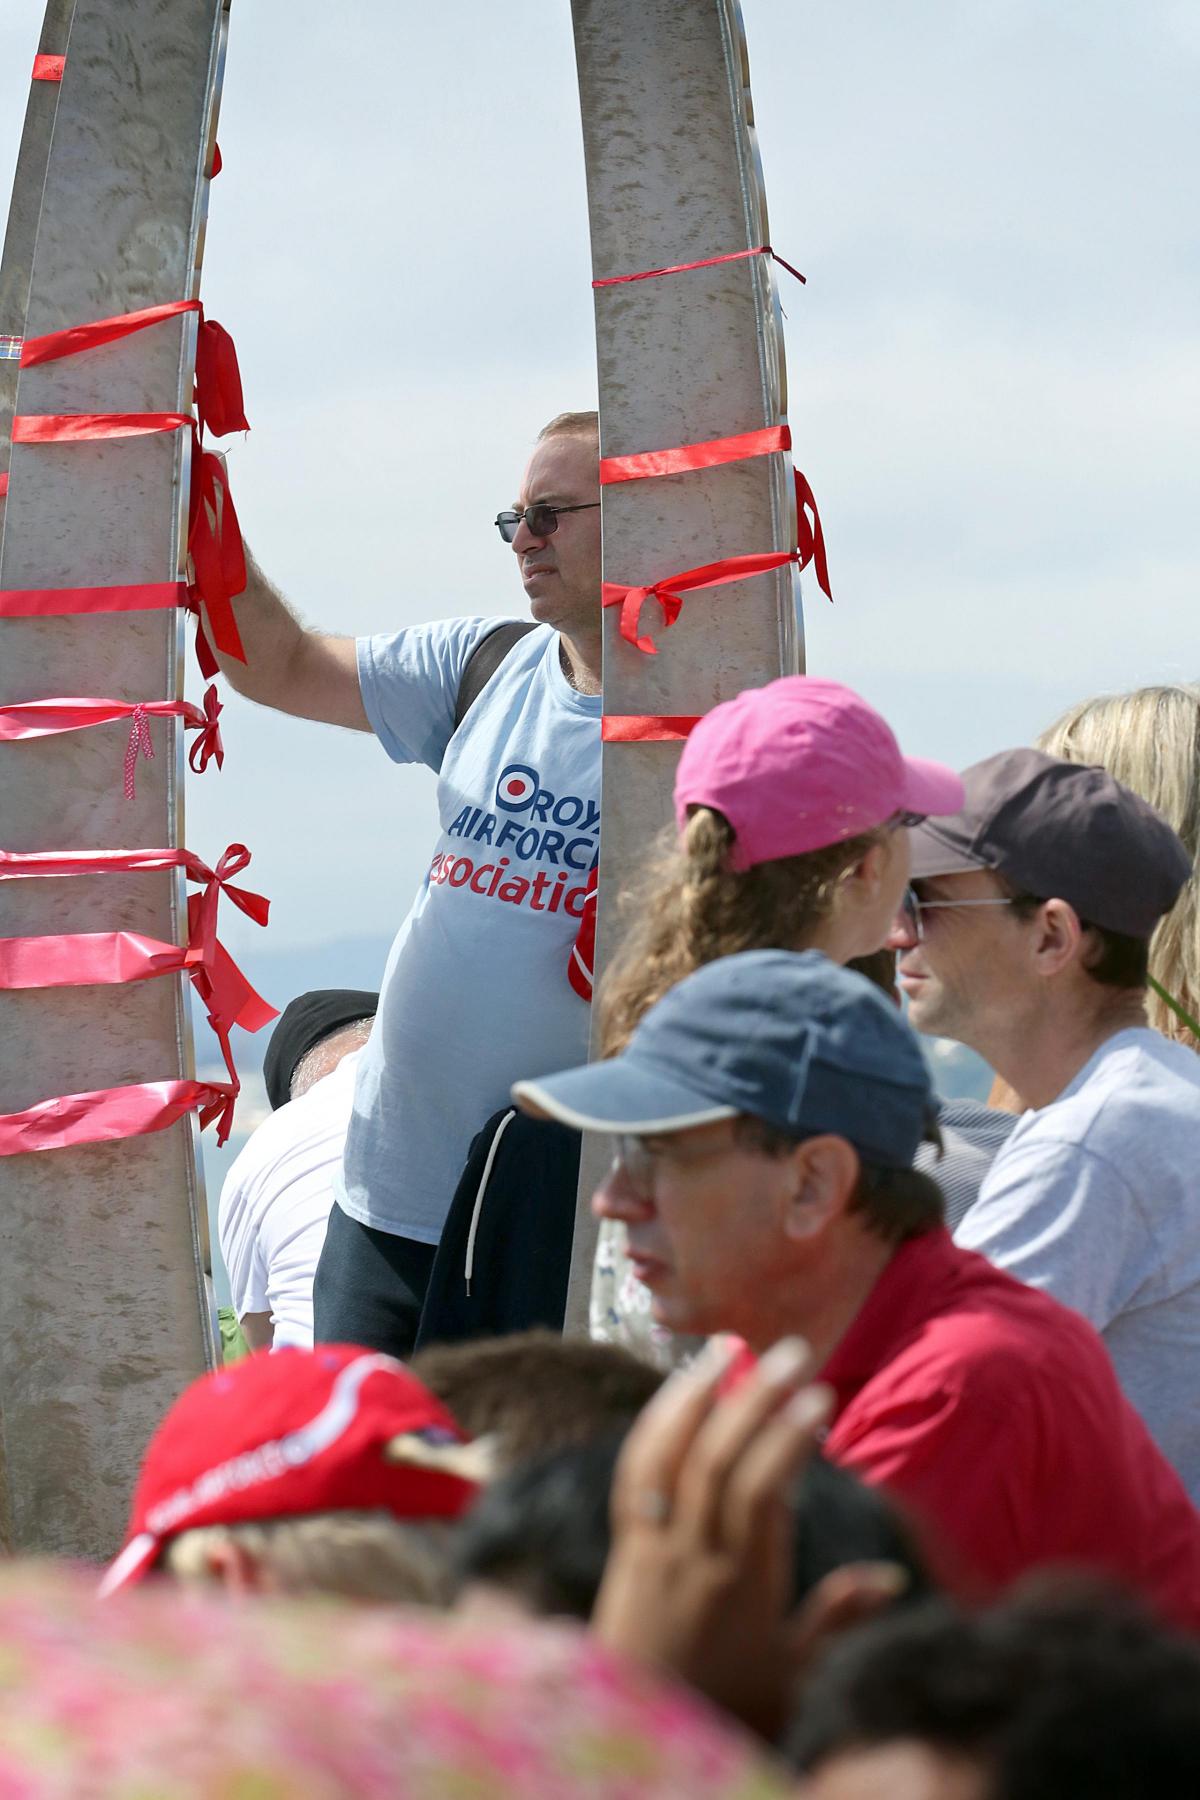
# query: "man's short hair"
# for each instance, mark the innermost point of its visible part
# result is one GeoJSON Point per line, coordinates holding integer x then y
{"type": "Point", "coordinates": [534, 1391]}
{"type": "Point", "coordinates": [572, 424]}
{"type": "Point", "coordinates": [352, 1555]}
{"type": "Point", "coordinates": [896, 1204]}
{"type": "Point", "coordinates": [543, 1532]}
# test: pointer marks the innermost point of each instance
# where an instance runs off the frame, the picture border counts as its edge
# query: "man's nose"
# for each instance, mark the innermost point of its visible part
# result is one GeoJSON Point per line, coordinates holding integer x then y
{"type": "Point", "coordinates": [902, 934]}
{"type": "Point", "coordinates": [524, 539]}
{"type": "Point", "coordinates": [616, 1198]}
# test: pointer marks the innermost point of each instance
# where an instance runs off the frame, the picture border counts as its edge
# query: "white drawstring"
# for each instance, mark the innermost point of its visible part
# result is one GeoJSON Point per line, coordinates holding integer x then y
{"type": "Point", "coordinates": [478, 1208]}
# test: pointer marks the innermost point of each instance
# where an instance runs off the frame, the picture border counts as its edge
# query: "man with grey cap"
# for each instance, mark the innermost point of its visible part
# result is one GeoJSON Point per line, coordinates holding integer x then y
{"type": "Point", "coordinates": [766, 1113]}
{"type": "Point", "coordinates": [1026, 935]}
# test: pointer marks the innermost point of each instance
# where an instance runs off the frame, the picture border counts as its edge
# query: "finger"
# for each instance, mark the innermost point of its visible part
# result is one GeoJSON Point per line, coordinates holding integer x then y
{"type": "Point", "coordinates": [722, 1440]}
{"type": "Point", "coordinates": [757, 1506]}
{"type": "Point", "coordinates": [845, 1597]}
{"type": "Point", "coordinates": [663, 1433]}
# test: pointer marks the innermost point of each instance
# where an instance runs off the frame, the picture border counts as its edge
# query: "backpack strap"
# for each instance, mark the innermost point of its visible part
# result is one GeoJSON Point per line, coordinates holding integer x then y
{"type": "Point", "coordinates": [483, 662]}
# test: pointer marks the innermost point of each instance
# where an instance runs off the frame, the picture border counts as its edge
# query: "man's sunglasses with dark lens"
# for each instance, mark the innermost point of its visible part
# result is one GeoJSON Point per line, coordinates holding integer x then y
{"type": "Point", "coordinates": [542, 520]}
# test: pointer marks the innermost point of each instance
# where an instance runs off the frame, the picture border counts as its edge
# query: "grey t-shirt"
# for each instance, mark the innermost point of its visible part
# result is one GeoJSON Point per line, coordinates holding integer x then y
{"type": "Point", "coordinates": [972, 1134]}
{"type": "Point", "coordinates": [1096, 1199]}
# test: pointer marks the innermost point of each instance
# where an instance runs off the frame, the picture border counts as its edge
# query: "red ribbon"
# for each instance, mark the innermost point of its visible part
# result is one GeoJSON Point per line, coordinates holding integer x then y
{"type": "Point", "coordinates": [670, 590]}
{"type": "Point", "coordinates": [219, 401]}
{"type": "Point", "coordinates": [75, 428]}
{"type": "Point", "coordinates": [218, 556]}
{"type": "Point", "coordinates": [685, 457]}
{"type": "Point", "coordinates": [45, 718]}
{"type": "Point", "coordinates": [217, 164]}
{"type": "Point", "coordinates": [42, 603]}
{"type": "Point", "coordinates": [646, 728]}
{"type": "Point", "coordinates": [705, 262]}
{"type": "Point", "coordinates": [4, 485]}
{"type": "Point", "coordinates": [48, 68]}
{"type": "Point", "coordinates": [228, 995]}
{"type": "Point", "coordinates": [54, 345]}
{"type": "Point", "coordinates": [810, 536]}
{"type": "Point", "coordinates": [106, 1114]}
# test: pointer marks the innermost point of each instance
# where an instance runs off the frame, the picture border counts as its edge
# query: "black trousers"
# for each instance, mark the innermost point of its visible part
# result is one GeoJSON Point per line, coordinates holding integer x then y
{"type": "Point", "coordinates": [370, 1287]}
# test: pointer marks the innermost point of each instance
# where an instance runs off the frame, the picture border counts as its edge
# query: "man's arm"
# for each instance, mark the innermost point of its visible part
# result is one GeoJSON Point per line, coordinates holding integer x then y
{"type": "Point", "coordinates": [288, 666]}
{"type": "Point", "coordinates": [257, 1330]}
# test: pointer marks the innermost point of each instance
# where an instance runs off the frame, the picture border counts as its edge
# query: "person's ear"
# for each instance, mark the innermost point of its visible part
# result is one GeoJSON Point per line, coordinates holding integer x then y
{"type": "Point", "coordinates": [1057, 937]}
{"type": "Point", "coordinates": [861, 885]}
{"type": "Point", "coordinates": [824, 1174]}
{"type": "Point", "coordinates": [231, 1566]}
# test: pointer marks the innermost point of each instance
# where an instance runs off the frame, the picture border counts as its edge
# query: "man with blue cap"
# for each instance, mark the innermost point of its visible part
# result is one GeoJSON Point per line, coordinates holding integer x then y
{"type": "Point", "coordinates": [766, 1113]}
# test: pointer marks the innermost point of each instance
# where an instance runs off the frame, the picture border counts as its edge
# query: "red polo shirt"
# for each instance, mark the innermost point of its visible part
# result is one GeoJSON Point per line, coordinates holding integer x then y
{"type": "Point", "coordinates": [993, 1413]}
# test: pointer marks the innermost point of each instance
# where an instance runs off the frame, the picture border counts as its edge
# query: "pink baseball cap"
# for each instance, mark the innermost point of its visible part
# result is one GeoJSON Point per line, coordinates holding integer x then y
{"type": "Point", "coordinates": [802, 763]}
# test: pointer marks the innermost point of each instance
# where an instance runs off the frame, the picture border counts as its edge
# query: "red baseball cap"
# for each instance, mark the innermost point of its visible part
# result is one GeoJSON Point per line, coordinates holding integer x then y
{"type": "Point", "coordinates": [332, 1429]}
{"type": "Point", "coordinates": [802, 763]}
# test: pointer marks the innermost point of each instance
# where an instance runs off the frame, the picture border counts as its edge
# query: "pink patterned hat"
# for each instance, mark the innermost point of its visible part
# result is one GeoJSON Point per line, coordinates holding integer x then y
{"type": "Point", "coordinates": [802, 763]}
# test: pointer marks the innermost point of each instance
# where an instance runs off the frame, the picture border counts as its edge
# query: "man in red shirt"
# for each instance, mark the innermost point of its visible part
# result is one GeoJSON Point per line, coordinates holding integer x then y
{"type": "Point", "coordinates": [766, 1113]}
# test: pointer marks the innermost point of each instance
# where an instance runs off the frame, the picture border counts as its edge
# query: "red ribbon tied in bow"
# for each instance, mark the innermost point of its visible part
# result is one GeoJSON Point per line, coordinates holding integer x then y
{"type": "Point", "coordinates": [218, 555]}
{"type": "Point", "coordinates": [669, 591]}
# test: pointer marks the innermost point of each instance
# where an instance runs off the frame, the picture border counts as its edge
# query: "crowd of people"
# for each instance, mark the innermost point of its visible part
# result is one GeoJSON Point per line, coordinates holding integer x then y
{"type": "Point", "coordinates": [879, 1473]}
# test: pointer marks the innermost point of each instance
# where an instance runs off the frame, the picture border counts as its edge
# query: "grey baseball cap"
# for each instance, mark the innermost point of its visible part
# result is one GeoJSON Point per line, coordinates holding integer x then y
{"type": "Point", "coordinates": [1062, 831]}
{"type": "Point", "coordinates": [791, 1039]}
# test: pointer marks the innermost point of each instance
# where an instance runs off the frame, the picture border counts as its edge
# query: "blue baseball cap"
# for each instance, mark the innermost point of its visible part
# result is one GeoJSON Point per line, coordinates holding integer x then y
{"type": "Point", "coordinates": [788, 1038]}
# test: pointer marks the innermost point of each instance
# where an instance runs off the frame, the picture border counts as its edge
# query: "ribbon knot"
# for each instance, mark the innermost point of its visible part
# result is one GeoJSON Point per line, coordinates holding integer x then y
{"type": "Point", "coordinates": [202, 908]}
{"type": "Point", "coordinates": [139, 739]}
{"type": "Point", "coordinates": [207, 747]}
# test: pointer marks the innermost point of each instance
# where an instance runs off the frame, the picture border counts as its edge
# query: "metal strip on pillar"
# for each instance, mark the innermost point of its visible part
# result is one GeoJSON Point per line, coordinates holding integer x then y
{"type": "Point", "coordinates": [103, 1313]}
{"type": "Point", "coordinates": [23, 213]}
{"type": "Point", "coordinates": [673, 178]}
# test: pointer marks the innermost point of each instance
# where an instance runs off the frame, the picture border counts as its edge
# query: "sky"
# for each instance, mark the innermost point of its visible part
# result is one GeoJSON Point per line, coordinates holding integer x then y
{"type": "Point", "coordinates": [993, 369]}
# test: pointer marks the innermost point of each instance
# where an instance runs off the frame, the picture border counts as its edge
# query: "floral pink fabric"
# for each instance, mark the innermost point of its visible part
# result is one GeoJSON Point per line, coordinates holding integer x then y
{"type": "Point", "coordinates": [163, 1694]}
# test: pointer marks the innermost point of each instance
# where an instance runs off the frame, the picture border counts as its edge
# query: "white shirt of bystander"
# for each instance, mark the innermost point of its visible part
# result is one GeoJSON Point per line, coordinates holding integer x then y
{"type": "Point", "coordinates": [1093, 1199]}
{"type": "Point", "coordinates": [275, 1204]}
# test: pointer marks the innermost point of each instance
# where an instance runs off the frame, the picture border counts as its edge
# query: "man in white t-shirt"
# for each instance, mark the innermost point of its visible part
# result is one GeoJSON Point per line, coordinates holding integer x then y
{"type": "Point", "coordinates": [1026, 936]}
{"type": "Point", "coordinates": [275, 1200]}
{"type": "Point", "coordinates": [476, 989]}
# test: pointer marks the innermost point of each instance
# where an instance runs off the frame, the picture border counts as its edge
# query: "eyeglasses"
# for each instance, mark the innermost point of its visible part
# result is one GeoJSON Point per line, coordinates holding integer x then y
{"type": "Point", "coordinates": [904, 821]}
{"type": "Point", "coordinates": [640, 1162]}
{"type": "Point", "coordinates": [541, 519]}
{"type": "Point", "coordinates": [912, 908]}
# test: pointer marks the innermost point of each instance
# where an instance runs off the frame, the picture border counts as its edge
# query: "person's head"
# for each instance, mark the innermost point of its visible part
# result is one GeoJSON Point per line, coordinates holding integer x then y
{"type": "Point", "coordinates": [1150, 740]}
{"type": "Point", "coordinates": [1072, 1694]}
{"type": "Point", "coordinates": [790, 802]}
{"type": "Point", "coordinates": [558, 553]}
{"type": "Point", "coordinates": [336, 1434]}
{"type": "Point", "coordinates": [535, 1391]}
{"type": "Point", "coordinates": [313, 1033]}
{"type": "Point", "coordinates": [1034, 904]}
{"type": "Point", "coordinates": [542, 1532]}
{"type": "Point", "coordinates": [767, 1111]}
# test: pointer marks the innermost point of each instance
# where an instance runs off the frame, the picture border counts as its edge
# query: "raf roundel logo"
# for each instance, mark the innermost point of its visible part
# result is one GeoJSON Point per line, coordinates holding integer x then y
{"type": "Point", "coordinates": [516, 787]}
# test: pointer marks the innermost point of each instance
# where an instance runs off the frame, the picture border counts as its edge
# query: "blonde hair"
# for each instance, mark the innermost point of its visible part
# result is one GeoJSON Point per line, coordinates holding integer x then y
{"type": "Point", "coordinates": [357, 1555]}
{"type": "Point", "coordinates": [1150, 740]}
{"type": "Point", "coordinates": [696, 908]}
{"type": "Point", "coordinates": [572, 424]}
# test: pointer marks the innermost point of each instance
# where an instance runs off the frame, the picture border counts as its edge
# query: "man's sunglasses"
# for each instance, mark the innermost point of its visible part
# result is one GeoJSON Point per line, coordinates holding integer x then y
{"type": "Point", "coordinates": [913, 910]}
{"type": "Point", "coordinates": [542, 520]}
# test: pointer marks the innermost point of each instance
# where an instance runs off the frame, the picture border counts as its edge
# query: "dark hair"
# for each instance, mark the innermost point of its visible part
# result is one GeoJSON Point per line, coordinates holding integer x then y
{"type": "Point", "coordinates": [896, 1204]}
{"type": "Point", "coordinates": [534, 1391]}
{"type": "Point", "coordinates": [1110, 957]}
{"type": "Point", "coordinates": [1067, 1690]}
{"type": "Point", "coordinates": [542, 1531]}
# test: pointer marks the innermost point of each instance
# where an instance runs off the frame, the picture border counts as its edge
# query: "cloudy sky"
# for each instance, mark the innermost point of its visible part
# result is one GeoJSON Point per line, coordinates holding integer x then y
{"type": "Point", "coordinates": [993, 368]}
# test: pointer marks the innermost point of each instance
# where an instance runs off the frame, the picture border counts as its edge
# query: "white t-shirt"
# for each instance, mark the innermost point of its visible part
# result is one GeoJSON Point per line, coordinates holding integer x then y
{"type": "Point", "coordinates": [275, 1205]}
{"type": "Point", "coordinates": [475, 994]}
{"type": "Point", "coordinates": [1096, 1199]}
